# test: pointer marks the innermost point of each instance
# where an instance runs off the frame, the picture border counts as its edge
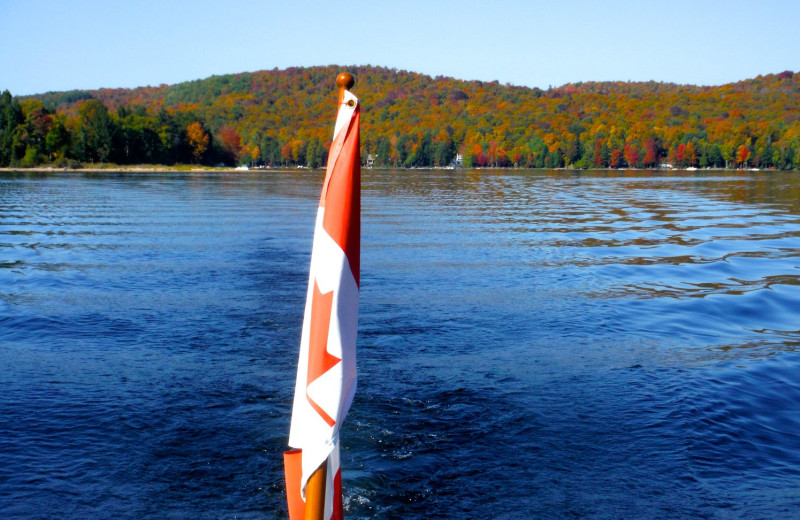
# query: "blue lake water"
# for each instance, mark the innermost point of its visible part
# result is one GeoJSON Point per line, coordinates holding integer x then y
{"type": "Point", "coordinates": [532, 344]}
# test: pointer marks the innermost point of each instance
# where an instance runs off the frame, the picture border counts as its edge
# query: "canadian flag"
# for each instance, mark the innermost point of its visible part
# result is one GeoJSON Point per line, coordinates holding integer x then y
{"type": "Point", "coordinates": [326, 372]}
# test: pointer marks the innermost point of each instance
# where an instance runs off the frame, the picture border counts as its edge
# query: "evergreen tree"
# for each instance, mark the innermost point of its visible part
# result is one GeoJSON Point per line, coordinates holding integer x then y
{"type": "Point", "coordinates": [11, 117]}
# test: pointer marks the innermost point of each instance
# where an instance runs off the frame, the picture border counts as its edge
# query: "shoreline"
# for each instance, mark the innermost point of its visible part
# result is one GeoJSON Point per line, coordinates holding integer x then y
{"type": "Point", "coordinates": [131, 169]}
{"type": "Point", "coordinates": [142, 168]}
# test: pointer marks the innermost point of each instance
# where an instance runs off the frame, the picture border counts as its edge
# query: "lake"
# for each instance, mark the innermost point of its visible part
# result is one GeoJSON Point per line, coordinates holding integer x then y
{"type": "Point", "coordinates": [532, 344]}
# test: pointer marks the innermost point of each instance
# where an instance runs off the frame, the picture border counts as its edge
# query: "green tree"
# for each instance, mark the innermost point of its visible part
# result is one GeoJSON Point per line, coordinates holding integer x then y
{"type": "Point", "coordinates": [384, 151]}
{"type": "Point", "coordinates": [38, 122]}
{"type": "Point", "coordinates": [444, 152]}
{"type": "Point", "coordinates": [57, 141]}
{"type": "Point", "coordinates": [423, 154]}
{"type": "Point", "coordinates": [11, 117]}
{"type": "Point", "coordinates": [314, 153]}
{"type": "Point", "coordinates": [137, 139]}
{"type": "Point", "coordinates": [787, 157]}
{"type": "Point", "coordinates": [573, 150]}
{"type": "Point", "coordinates": [95, 133]}
{"type": "Point", "coordinates": [270, 150]}
{"type": "Point", "coordinates": [403, 150]}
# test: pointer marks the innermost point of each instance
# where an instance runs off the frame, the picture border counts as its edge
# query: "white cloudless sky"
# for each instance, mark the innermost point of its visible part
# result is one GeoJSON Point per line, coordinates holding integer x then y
{"type": "Point", "coordinates": [53, 45]}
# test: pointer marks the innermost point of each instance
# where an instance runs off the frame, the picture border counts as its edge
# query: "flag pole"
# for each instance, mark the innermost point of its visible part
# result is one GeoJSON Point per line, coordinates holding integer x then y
{"type": "Point", "coordinates": [315, 493]}
{"type": "Point", "coordinates": [315, 488]}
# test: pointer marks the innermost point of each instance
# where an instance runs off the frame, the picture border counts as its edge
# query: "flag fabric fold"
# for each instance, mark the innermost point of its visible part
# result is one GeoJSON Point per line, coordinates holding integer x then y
{"type": "Point", "coordinates": [326, 372]}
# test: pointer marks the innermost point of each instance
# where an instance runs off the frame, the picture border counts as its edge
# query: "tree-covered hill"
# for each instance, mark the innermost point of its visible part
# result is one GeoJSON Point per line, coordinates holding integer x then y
{"type": "Point", "coordinates": [285, 117]}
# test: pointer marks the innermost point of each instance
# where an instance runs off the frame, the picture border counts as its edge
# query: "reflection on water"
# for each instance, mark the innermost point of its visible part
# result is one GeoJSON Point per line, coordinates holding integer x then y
{"type": "Point", "coordinates": [532, 344]}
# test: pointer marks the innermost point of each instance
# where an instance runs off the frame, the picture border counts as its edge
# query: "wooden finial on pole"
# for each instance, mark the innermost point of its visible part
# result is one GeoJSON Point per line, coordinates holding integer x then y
{"type": "Point", "coordinates": [344, 81]}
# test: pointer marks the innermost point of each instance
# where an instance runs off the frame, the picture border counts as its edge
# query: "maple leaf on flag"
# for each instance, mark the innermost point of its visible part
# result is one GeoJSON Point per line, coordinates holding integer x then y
{"type": "Point", "coordinates": [319, 359]}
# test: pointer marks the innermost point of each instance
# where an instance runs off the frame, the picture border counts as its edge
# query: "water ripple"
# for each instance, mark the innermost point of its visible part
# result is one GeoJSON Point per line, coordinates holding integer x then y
{"type": "Point", "coordinates": [532, 344]}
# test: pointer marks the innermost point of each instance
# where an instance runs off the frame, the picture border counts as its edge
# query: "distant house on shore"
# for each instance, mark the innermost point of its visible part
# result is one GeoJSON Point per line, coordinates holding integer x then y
{"type": "Point", "coordinates": [371, 160]}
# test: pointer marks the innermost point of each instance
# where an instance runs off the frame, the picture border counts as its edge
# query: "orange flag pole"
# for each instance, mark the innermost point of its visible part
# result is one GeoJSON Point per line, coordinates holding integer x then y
{"type": "Point", "coordinates": [315, 488]}
{"type": "Point", "coordinates": [315, 493]}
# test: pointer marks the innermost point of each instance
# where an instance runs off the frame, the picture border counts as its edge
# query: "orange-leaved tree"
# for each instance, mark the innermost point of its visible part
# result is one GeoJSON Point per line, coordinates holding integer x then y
{"type": "Point", "coordinates": [198, 140]}
{"type": "Point", "coordinates": [231, 142]}
{"type": "Point", "coordinates": [742, 154]}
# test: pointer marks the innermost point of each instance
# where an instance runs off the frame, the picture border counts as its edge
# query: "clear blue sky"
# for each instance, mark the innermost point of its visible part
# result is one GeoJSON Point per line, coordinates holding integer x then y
{"type": "Point", "coordinates": [62, 44]}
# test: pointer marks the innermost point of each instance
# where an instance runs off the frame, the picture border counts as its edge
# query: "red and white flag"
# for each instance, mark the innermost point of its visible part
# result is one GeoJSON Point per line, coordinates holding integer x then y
{"type": "Point", "coordinates": [326, 372]}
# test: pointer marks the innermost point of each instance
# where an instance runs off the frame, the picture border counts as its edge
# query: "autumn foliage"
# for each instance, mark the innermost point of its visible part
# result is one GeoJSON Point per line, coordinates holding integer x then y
{"type": "Point", "coordinates": [285, 118]}
{"type": "Point", "coordinates": [198, 140]}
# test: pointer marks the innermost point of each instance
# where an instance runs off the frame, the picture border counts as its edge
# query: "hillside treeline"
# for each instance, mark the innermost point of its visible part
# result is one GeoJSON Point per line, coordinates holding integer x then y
{"type": "Point", "coordinates": [285, 118]}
